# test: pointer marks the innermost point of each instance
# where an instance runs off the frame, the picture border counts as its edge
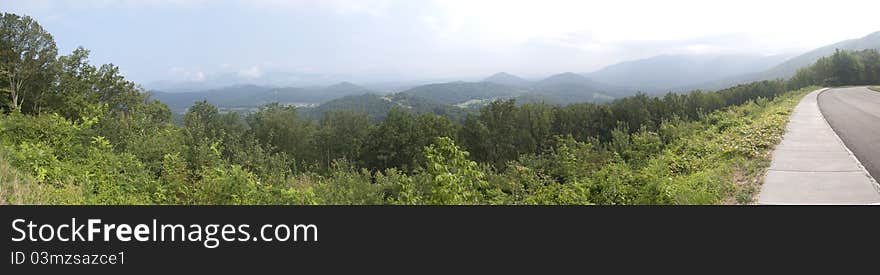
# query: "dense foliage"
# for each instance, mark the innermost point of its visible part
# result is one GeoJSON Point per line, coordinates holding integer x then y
{"type": "Point", "coordinates": [87, 135]}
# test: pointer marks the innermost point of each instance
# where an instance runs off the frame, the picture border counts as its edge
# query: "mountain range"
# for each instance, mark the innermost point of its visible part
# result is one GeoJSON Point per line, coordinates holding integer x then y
{"type": "Point", "coordinates": [654, 75]}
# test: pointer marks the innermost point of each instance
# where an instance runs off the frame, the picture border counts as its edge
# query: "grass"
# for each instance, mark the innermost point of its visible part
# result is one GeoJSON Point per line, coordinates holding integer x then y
{"type": "Point", "coordinates": [16, 187]}
{"type": "Point", "coordinates": [746, 179]}
{"type": "Point", "coordinates": [722, 158]}
{"type": "Point", "coordinates": [747, 173]}
{"type": "Point", "coordinates": [875, 88]}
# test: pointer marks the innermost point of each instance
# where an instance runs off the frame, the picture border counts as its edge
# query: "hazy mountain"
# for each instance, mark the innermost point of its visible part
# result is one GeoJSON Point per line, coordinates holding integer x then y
{"type": "Point", "coordinates": [790, 67]}
{"type": "Point", "coordinates": [570, 87]}
{"type": "Point", "coordinates": [665, 72]}
{"type": "Point", "coordinates": [508, 79]}
{"type": "Point", "coordinates": [254, 96]}
{"type": "Point", "coordinates": [268, 79]}
{"type": "Point", "coordinates": [344, 88]}
{"type": "Point", "coordinates": [179, 101]}
{"type": "Point", "coordinates": [462, 92]}
{"type": "Point", "coordinates": [316, 94]}
{"type": "Point", "coordinates": [567, 78]}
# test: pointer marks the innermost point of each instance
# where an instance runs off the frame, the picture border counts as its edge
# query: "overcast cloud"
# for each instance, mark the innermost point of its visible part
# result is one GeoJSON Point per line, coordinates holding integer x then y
{"type": "Point", "coordinates": [188, 39]}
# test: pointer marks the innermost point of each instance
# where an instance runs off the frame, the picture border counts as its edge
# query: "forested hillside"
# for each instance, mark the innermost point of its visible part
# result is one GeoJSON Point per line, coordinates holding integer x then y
{"type": "Point", "coordinates": [73, 133]}
{"type": "Point", "coordinates": [462, 93]}
{"type": "Point", "coordinates": [570, 87]}
{"type": "Point", "coordinates": [376, 107]}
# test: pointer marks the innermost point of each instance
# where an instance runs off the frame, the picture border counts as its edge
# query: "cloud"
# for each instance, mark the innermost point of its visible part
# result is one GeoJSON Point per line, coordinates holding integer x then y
{"type": "Point", "coordinates": [100, 4]}
{"type": "Point", "coordinates": [250, 73]}
{"type": "Point", "coordinates": [343, 7]}
{"type": "Point", "coordinates": [375, 8]}
{"type": "Point", "coordinates": [430, 37]}
{"type": "Point", "coordinates": [184, 74]}
{"type": "Point", "coordinates": [198, 76]}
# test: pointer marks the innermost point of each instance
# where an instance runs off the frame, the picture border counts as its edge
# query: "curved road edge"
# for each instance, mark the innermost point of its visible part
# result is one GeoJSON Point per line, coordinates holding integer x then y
{"type": "Point", "coordinates": [851, 153]}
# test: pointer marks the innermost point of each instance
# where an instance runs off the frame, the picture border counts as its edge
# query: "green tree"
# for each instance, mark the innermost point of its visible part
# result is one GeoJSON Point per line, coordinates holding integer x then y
{"type": "Point", "coordinates": [27, 62]}
{"type": "Point", "coordinates": [847, 68]}
{"type": "Point", "coordinates": [283, 129]}
{"type": "Point", "coordinates": [202, 133]}
{"type": "Point", "coordinates": [454, 178]}
{"type": "Point", "coordinates": [74, 82]}
{"type": "Point", "coordinates": [535, 121]}
{"type": "Point", "coordinates": [342, 134]}
{"type": "Point", "coordinates": [429, 126]}
{"type": "Point", "coordinates": [393, 143]}
{"type": "Point", "coordinates": [502, 132]}
{"type": "Point", "coordinates": [870, 66]}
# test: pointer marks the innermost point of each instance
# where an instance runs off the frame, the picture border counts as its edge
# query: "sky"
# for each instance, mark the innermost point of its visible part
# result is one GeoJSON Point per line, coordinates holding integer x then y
{"type": "Point", "coordinates": [193, 40]}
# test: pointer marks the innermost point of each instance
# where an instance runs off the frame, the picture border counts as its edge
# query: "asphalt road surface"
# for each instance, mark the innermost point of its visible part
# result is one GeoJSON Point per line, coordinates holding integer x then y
{"type": "Point", "coordinates": [854, 114]}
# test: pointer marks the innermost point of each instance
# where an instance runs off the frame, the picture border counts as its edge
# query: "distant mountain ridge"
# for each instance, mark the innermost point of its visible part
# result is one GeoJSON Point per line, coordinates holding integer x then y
{"type": "Point", "coordinates": [504, 78]}
{"type": "Point", "coordinates": [789, 67]}
{"type": "Point", "coordinates": [655, 75]}
{"type": "Point", "coordinates": [570, 87]}
{"type": "Point", "coordinates": [662, 73]}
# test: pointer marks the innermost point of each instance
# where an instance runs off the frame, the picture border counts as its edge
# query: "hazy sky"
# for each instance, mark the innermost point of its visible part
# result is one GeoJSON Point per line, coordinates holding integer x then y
{"type": "Point", "coordinates": [191, 39]}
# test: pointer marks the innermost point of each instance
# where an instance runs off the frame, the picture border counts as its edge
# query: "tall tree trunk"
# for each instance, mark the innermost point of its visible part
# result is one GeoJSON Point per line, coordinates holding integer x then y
{"type": "Point", "coordinates": [17, 99]}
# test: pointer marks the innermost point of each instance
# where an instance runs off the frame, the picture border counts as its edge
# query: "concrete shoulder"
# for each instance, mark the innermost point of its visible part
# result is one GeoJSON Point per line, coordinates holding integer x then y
{"type": "Point", "coordinates": [813, 166]}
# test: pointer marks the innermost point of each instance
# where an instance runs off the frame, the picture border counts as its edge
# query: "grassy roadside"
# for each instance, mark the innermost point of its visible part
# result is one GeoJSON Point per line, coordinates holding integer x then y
{"type": "Point", "coordinates": [723, 158]}
{"type": "Point", "coordinates": [768, 126]}
{"type": "Point", "coordinates": [875, 88]}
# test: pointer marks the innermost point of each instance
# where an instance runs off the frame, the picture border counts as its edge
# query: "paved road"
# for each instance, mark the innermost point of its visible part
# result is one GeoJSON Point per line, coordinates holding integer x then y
{"type": "Point", "coordinates": [854, 114]}
{"type": "Point", "coordinates": [811, 165]}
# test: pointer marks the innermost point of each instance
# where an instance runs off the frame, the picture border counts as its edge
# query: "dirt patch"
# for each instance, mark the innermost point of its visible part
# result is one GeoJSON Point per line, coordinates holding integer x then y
{"type": "Point", "coordinates": [747, 177]}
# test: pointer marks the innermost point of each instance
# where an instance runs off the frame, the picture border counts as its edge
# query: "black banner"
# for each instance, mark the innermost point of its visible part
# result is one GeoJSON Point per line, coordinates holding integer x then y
{"type": "Point", "coordinates": [421, 238]}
